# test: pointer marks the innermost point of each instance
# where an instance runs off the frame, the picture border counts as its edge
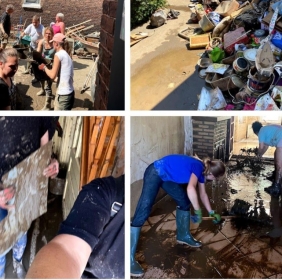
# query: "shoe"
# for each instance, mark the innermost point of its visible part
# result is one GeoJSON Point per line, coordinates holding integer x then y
{"type": "Point", "coordinates": [135, 268]}
{"type": "Point", "coordinates": [41, 92]}
{"type": "Point", "coordinates": [19, 269]}
{"type": "Point", "coordinates": [34, 80]}
{"type": "Point", "coordinates": [183, 229]}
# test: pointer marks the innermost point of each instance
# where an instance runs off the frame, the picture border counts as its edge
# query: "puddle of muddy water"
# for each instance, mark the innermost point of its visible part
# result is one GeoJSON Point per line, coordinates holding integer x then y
{"type": "Point", "coordinates": [161, 257]}
{"type": "Point", "coordinates": [170, 74]}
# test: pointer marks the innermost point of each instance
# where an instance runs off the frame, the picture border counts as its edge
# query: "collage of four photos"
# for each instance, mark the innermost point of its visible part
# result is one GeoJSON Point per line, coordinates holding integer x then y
{"type": "Point", "coordinates": [155, 151]}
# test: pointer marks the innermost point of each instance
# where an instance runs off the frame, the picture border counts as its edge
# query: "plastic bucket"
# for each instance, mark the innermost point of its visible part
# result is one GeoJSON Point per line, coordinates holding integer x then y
{"type": "Point", "coordinates": [206, 24]}
{"type": "Point", "coordinates": [240, 64]}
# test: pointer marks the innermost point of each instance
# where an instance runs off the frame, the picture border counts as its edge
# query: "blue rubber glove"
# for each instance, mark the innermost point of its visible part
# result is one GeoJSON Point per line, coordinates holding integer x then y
{"type": "Point", "coordinates": [197, 218]}
{"type": "Point", "coordinates": [217, 217]}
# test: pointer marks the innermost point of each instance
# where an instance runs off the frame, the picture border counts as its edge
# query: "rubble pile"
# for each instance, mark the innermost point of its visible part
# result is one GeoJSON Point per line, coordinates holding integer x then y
{"type": "Point", "coordinates": [241, 64]}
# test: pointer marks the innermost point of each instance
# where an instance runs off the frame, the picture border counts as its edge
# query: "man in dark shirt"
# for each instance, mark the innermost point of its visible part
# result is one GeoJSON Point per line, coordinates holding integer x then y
{"type": "Point", "coordinates": [90, 243]}
{"type": "Point", "coordinates": [5, 25]}
{"type": "Point", "coordinates": [19, 138]}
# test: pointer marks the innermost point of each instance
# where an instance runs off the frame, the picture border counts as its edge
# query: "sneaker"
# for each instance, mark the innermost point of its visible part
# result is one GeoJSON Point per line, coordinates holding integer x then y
{"type": "Point", "coordinates": [34, 80]}
{"type": "Point", "coordinates": [41, 92]}
{"type": "Point", "coordinates": [19, 269]}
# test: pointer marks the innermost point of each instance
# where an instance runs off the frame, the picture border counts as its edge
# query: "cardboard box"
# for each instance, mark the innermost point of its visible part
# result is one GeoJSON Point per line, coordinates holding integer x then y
{"type": "Point", "coordinates": [231, 38]}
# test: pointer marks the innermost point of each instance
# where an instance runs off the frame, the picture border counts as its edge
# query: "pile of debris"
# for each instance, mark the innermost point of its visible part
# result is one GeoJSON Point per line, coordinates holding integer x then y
{"type": "Point", "coordinates": [243, 52]}
{"type": "Point", "coordinates": [84, 45]}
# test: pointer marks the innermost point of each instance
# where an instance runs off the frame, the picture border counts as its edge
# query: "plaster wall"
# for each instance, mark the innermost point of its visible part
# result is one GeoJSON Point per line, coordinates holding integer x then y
{"type": "Point", "coordinates": [151, 139]}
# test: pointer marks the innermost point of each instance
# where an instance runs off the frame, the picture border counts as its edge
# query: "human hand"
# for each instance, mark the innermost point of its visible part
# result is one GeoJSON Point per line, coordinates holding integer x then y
{"type": "Point", "coordinates": [197, 218]}
{"type": "Point", "coordinates": [52, 169]}
{"type": "Point", "coordinates": [41, 66]}
{"type": "Point", "coordinates": [217, 217]}
{"type": "Point", "coordinates": [6, 195]}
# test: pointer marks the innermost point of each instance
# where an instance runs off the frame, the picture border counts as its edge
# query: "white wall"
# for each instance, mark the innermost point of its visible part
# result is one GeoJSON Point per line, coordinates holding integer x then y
{"type": "Point", "coordinates": [151, 139]}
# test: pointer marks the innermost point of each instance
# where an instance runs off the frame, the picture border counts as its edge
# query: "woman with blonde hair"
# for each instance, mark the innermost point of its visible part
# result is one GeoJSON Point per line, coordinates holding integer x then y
{"type": "Point", "coordinates": [9, 63]}
{"type": "Point", "coordinates": [45, 47]}
{"type": "Point", "coordinates": [179, 176]}
{"type": "Point", "coordinates": [59, 25]}
{"type": "Point", "coordinates": [63, 68]}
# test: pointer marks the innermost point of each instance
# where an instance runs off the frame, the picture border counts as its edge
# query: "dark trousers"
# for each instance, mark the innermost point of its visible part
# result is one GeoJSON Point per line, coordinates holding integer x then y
{"type": "Point", "coordinates": [151, 185]}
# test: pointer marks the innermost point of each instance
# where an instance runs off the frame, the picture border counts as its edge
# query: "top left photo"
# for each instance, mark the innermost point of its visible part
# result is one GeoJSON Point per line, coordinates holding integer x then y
{"type": "Point", "coordinates": [62, 57]}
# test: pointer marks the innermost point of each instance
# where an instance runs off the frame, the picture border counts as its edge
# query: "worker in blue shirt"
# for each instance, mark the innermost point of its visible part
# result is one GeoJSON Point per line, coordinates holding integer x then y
{"type": "Point", "coordinates": [170, 173]}
{"type": "Point", "coordinates": [271, 135]}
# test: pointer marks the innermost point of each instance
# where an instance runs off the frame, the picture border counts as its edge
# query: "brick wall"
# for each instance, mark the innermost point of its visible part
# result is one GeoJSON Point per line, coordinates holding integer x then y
{"type": "Point", "coordinates": [75, 11]}
{"type": "Point", "coordinates": [105, 54]}
{"type": "Point", "coordinates": [209, 136]}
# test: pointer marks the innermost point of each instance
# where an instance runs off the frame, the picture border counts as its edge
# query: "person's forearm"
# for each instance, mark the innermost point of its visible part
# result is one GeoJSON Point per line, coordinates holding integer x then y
{"type": "Point", "coordinates": [60, 258]}
{"type": "Point", "coordinates": [44, 139]}
{"type": "Point", "coordinates": [192, 195]}
{"type": "Point", "coordinates": [206, 202]}
{"type": "Point", "coordinates": [262, 149]}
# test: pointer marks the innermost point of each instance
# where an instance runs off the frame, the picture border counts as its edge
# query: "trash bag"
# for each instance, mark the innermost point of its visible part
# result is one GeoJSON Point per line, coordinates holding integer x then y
{"type": "Point", "coordinates": [216, 55]}
{"type": "Point", "coordinates": [211, 100]}
{"type": "Point", "coordinates": [158, 18]}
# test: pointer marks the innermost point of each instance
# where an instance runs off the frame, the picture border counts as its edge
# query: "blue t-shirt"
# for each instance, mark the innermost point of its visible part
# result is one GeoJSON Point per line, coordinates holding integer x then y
{"type": "Point", "coordinates": [178, 168]}
{"type": "Point", "coordinates": [270, 135]}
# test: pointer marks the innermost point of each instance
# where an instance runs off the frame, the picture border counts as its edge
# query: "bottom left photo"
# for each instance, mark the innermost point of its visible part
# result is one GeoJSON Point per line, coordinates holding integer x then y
{"type": "Point", "coordinates": [62, 197]}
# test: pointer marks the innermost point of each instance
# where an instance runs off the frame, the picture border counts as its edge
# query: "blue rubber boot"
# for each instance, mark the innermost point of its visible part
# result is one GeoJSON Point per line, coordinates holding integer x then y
{"type": "Point", "coordinates": [2, 266]}
{"type": "Point", "coordinates": [183, 229]}
{"type": "Point", "coordinates": [135, 268]}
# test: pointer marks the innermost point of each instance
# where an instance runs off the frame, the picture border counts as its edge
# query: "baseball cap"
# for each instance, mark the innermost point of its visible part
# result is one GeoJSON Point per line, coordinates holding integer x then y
{"type": "Point", "coordinates": [59, 37]}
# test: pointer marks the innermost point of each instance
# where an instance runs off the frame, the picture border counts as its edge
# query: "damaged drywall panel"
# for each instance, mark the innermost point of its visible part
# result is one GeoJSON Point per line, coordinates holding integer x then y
{"type": "Point", "coordinates": [30, 199]}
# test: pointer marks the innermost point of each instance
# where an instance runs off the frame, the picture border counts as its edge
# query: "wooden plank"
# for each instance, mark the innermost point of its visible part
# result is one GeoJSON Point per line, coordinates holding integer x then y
{"type": "Point", "coordinates": [84, 153]}
{"type": "Point", "coordinates": [99, 149]}
{"type": "Point", "coordinates": [110, 148]}
{"type": "Point", "coordinates": [77, 24]}
{"type": "Point", "coordinates": [30, 197]}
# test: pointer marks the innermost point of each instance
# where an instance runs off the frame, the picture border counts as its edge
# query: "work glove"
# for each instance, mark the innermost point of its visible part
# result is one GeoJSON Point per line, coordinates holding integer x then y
{"type": "Point", "coordinates": [217, 217]}
{"type": "Point", "coordinates": [197, 218]}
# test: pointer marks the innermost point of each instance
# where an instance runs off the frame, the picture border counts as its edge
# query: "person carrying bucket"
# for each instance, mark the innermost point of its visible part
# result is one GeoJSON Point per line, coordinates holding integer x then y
{"type": "Point", "coordinates": [271, 135]}
{"type": "Point", "coordinates": [171, 173]}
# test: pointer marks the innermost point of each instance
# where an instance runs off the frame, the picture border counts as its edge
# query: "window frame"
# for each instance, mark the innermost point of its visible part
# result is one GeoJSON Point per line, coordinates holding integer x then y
{"type": "Point", "coordinates": [34, 4]}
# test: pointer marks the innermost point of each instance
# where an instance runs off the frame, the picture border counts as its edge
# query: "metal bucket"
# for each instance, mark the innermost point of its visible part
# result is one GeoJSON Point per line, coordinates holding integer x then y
{"type": "Point", "coordinates": [257, 84]}
{"type": "Point", "coordinates": [57, 186]}
{"type": "Point", "coordinates": [240, 64]}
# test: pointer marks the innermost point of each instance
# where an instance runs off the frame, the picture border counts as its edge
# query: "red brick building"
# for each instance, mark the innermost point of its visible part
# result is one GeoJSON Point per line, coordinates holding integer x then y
{"type": "Point", "coordinates": [75, 11]}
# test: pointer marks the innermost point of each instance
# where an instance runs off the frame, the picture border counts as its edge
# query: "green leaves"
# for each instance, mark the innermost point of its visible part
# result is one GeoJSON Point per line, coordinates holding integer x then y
{"type": "Point", "coordinates": [142, 10]}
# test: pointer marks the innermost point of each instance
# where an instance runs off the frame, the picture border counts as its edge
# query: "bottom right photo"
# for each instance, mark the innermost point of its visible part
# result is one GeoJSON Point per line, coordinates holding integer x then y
{"type": "Point", "coordinates": [206, 197]}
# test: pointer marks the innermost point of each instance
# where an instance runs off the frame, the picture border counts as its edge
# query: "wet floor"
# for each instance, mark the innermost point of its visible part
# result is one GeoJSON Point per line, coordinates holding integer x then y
{"type": "Point", "coordinates": [169, 81]}
{"type": "Point", "coordinates": [236, 248]}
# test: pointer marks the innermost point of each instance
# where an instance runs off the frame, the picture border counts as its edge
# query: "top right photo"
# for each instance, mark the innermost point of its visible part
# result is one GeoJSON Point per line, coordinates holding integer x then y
{"type": "Point", "coordinates": [206, 55]}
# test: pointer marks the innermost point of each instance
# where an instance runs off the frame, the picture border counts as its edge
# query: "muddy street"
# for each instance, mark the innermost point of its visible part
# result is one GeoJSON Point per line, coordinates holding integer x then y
{"type": "Point", "coordinates": [164, 73]}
